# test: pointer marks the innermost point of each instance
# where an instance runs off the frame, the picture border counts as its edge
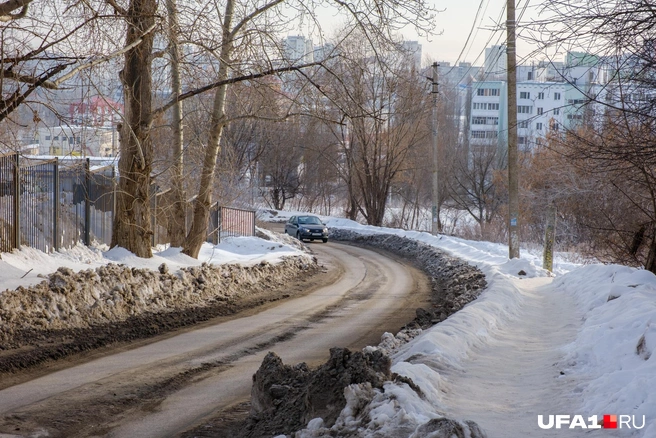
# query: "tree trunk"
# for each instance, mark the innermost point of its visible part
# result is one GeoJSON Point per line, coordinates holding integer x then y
{"type": "Point", "coordinates": [132, 228]}
{"type": "Point", "coordinates": [650, 264]}
{"type": "Point", "coordinates": [198, 233]}
{"type": "Point", "coordinates": [176, 224]}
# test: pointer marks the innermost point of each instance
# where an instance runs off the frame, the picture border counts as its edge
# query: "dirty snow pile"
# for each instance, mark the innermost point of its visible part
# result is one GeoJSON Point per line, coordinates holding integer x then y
{"type": "Point", "coordinates": [611, 361]}
{"type": "Point", "coordinates": [90, 287]}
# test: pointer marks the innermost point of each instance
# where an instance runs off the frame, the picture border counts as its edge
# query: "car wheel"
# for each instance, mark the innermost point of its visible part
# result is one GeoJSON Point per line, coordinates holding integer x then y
{"type": "Point", "coordinates": [298, 236]}
{"type": "Point", "coordinates": [324, 240]}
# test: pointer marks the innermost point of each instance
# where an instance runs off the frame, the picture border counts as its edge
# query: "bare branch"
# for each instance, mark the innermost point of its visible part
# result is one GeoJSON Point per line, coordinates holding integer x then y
{"type": "Point", "coordinates": [234, 80]}
{"type": "Point", "coordinates": [7, 8]}
{"type": "Point", "coordinates": [102, 58]}
{"type": "Point", "coordinates": [117, 8]}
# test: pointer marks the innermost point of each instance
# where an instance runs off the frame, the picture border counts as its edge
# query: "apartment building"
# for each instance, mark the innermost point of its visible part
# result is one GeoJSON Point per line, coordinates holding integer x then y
{"type": "Point", "coordinates": [77, 141]}
{"type": "Point", "coordinates": [551, 97]}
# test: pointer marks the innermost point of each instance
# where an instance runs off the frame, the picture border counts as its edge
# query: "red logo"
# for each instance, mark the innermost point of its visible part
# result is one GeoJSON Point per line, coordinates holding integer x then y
{"type": "Point", "coordinates": [610, 421]}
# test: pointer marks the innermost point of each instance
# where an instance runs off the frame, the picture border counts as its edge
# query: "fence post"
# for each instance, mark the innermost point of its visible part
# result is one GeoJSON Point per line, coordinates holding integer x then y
{"type": "Point", "coordinates": [87, 203]}
{"type": "Point", "coordinates": [16, 236]}
{"type": "Point", "coordinates": [114, 187]}
{"type": "Point", "coordinates": [55, 205]}
{"type": "Point", "coordinates": [219, 222]}
{"type": "Point", "coordinates": [153, 212]}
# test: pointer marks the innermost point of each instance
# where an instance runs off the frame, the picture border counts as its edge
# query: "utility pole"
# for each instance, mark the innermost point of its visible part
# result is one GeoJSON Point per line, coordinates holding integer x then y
{"type": "Point", "coordinates": [436, 226]}
{"type": "Point", "coordinates": [513, 185]}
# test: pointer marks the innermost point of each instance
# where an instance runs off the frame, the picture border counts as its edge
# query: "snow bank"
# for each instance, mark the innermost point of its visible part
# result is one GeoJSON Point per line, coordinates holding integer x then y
{"type": "Point", "coordinates": [401, 410]}
{"type": "Point", "coordinates": [29, 266]}
{"type": "Point", "coordinates": [615, 350]}
{"type": "Point", "coordinates": [120, 285]}
{"type": "Point", "coordinates": [612, 356]}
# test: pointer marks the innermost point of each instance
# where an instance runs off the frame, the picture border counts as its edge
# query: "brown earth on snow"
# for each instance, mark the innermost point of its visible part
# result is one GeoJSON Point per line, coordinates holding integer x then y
{"type": "Point", "coordinates": [77, 313]}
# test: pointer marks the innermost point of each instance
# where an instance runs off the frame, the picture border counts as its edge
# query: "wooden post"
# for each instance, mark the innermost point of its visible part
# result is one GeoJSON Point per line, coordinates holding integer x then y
{"type": "Point", "coordinates": [549, 238]}
{"type": "Point", "coordinates": [435, 215]}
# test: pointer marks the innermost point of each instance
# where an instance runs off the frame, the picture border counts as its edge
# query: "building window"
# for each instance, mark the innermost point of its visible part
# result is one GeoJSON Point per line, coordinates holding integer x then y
{"type": "Point", "coordinates": [556, 96]}
{"type": "Point", "coordinates": [524, 109]}
{"type": "Point", "coordinates": [574, 117]}
{"type": "Point", "coordinates": [540, 111]}
{"type": "Point", "coordinates": [522, 124]}
{"type": "Point", "coordinates": [56, 138]}
{"type": "Point", "coordinates": [487, 92]}
{"type": "Point", "coordinates": [556, 111]}
{"type": "Point", "coordinates": [484, 134]}
{"type": "Point", "coordinates": [521, 140]}
{"type": "Point", "coordinates": [47, 137]}
{"type": "Point", "coordinates": [582, 101]}
{"type": "Point", "coordinates": [540, 96]}
{"type": "Point", "coordinates": [478, 120]}
{"type": "Point", "coordinates": [524, 95]}
{"type": "Point", "coordinates": [486, 106]}
{"type": "Point", "coordinates": [538, 126]}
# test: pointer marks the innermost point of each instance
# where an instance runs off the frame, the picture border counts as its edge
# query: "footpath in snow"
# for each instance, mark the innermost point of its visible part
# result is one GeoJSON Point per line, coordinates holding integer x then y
{"type": "Point", "coordinates": [507, 382]}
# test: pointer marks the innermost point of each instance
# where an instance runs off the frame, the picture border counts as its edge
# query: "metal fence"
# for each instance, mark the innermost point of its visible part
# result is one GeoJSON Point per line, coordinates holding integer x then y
{"type": "Point", "coordinates": [9, 218]}
{"type": "Point", "coordinates": [102, 190]}
{"type": "Point", "coordinates": [228, 221]}
{"type": "Point", "coordinates": [38, 204]}
{"type": "Point", "coordinates": [51, 204]}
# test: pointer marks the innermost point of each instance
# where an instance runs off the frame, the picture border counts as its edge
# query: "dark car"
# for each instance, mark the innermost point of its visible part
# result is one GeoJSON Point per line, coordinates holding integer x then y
{"type": "Point", "coordinates": [306, 227]}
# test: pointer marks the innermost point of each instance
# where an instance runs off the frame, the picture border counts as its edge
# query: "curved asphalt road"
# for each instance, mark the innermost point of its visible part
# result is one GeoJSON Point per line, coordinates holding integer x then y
{"type": "Point", "coordinates": [374, 294]}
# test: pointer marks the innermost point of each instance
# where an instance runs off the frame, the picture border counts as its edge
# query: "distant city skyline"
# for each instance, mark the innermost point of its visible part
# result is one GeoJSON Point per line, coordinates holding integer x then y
{"type": "Point", "coordinates": [452, 27]}
{"type": "Point", "coordinates": [457, 20]}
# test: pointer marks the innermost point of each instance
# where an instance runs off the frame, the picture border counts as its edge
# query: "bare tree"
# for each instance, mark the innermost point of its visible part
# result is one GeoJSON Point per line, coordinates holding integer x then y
{"type": "Point", "coordinates": [177, 229]}
{"type": "Point", "coordinates": [375, 19]}
{"type": "Point", "coordinates": [379, 101]}
{"type": "Point", "coordinates": [475, 187]}
{"type": "Point", "coordinates": [613, 152]}
{"type": "Point", "coordinates": [132, 216]}
{"type": "Point", "coordinates": [43, 46]}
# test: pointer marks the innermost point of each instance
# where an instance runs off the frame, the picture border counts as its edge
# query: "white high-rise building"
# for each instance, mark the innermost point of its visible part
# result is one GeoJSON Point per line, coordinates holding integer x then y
{"type": "Point", "coordinates": [496, 62]}
{"type": "Point", "coordinates": [298, 49]}
{"type": "Point", "coordinates": [413, 49]}
{"type": "Point", "coordinates": [550, 97]}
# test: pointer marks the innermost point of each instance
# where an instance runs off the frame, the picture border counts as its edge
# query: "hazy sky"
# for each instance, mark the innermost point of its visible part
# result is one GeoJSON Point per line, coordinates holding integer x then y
{"type": "Point", "coordinates": [456, 22]}
{"type": "Point", "coordinates": [453, 26]}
